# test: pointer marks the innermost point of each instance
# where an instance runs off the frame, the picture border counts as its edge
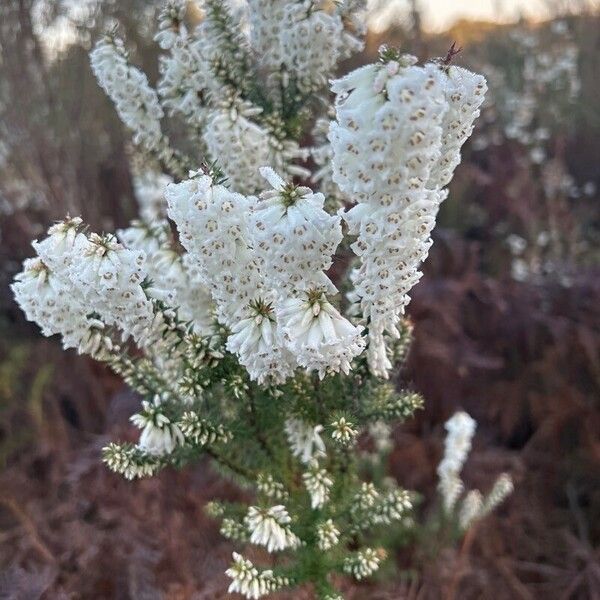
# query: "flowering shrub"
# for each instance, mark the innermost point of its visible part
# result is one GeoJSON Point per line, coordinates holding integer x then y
{"type": "Point", "coordinates": [536, 81]}
{"type": "Point", "coordinates": [220, 306]}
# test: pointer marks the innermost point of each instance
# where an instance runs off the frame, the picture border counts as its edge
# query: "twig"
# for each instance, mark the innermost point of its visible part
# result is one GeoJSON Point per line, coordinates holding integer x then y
{"type": "Point", "coordinates": [237, 469]}
{"type": "Point", "coordinates": [29, 527]}
{"type": "Point", "coordinates": [462, 563]}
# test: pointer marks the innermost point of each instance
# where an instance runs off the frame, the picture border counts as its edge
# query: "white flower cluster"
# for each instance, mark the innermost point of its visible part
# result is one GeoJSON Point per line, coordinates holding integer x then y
{"type": "Point", "coordinates": [240, 144]}
{"type": "Point", "coordinates": [185, 75]}
{"type": "Point", "coordinates": [461, 428]}
{"type": "Point", "coordinates": [396, 140]}
{"type": "Point", "coordinates": [169, 270]}
{"type": "Point", "coordinates": [457, 445]}
{"type": "Point", "coordinates": [212, 227]}
{"type": "Point", "coordinates": [250, 582]}
{"type": "Point", "coordinates": [149, 189]}
{"type": "Point", "coordinates": [270, 528]}
{"type": "Point", "coordinates": [136, 102]}
{"type": "Point", "coordinates": [80, 284]}
{"type": "Point", "coordinates": [308, 37]}
{"type": "Point", "coordinates": [312, 43]}
{"type": "Point", "coordinates": [267, 20]}
{"type": "Point", "coordinates": [294, 237]}
{"type": "Point", "coordinates": [278, 319]}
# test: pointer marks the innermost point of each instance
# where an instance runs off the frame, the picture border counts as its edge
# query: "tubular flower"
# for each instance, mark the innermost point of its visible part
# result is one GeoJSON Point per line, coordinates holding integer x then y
{"type": "Point", "coordinates": [318, 335]}
{"type": "Point", "coordinates": [294, 238]}
{"type": "Point", "coordinates": [270, 528]}
{"type": "Point", "coordinates": [159, 435]}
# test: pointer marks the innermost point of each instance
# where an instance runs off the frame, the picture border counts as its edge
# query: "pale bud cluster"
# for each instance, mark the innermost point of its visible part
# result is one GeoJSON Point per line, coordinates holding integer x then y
{"type": "Point", "coordinates": [457, 445]}
{"type": "Point", "coordinates": [328, 535]}
{"type": "Point", "coordinates": [318, 483]}
{"type": "Point", "coordinates": [250, 582]}
{"type": "Point", "coordinates": [343, 432]}
{"type": "Point", "coordinates": [364, 563]}
{"type": "Point", "coordinates": [474, 506]}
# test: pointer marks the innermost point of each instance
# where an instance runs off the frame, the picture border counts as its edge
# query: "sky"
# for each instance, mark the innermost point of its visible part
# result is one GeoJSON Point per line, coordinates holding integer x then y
{"type": "Point", "coordinates": [438, 15]}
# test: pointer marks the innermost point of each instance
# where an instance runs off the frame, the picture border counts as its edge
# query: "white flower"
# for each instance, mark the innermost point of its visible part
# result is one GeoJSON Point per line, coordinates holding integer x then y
{"type": "Point", "coordinates": [305, 440]}
{"type": "Point", "coordinates": [255, 339]}
{"type": "Point", "coordinates": [294, 238]}
{"type": "Point", "coordinates": [318, 335]}
{"type": "Point", "coordinates": [328, 535]}
{"type": "Point", "coordinates": [63, 242]}
{"type": "Point", "coordinates": [270, 528]}
{"type": "Point", "coordinates": [159, 435]}
{"type": "Point", "coordinates": [318, 483]}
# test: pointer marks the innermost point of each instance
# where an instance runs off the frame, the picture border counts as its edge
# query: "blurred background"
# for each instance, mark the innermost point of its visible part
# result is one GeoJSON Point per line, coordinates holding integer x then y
{"type": "Point", "coordinates": [507, 318]}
